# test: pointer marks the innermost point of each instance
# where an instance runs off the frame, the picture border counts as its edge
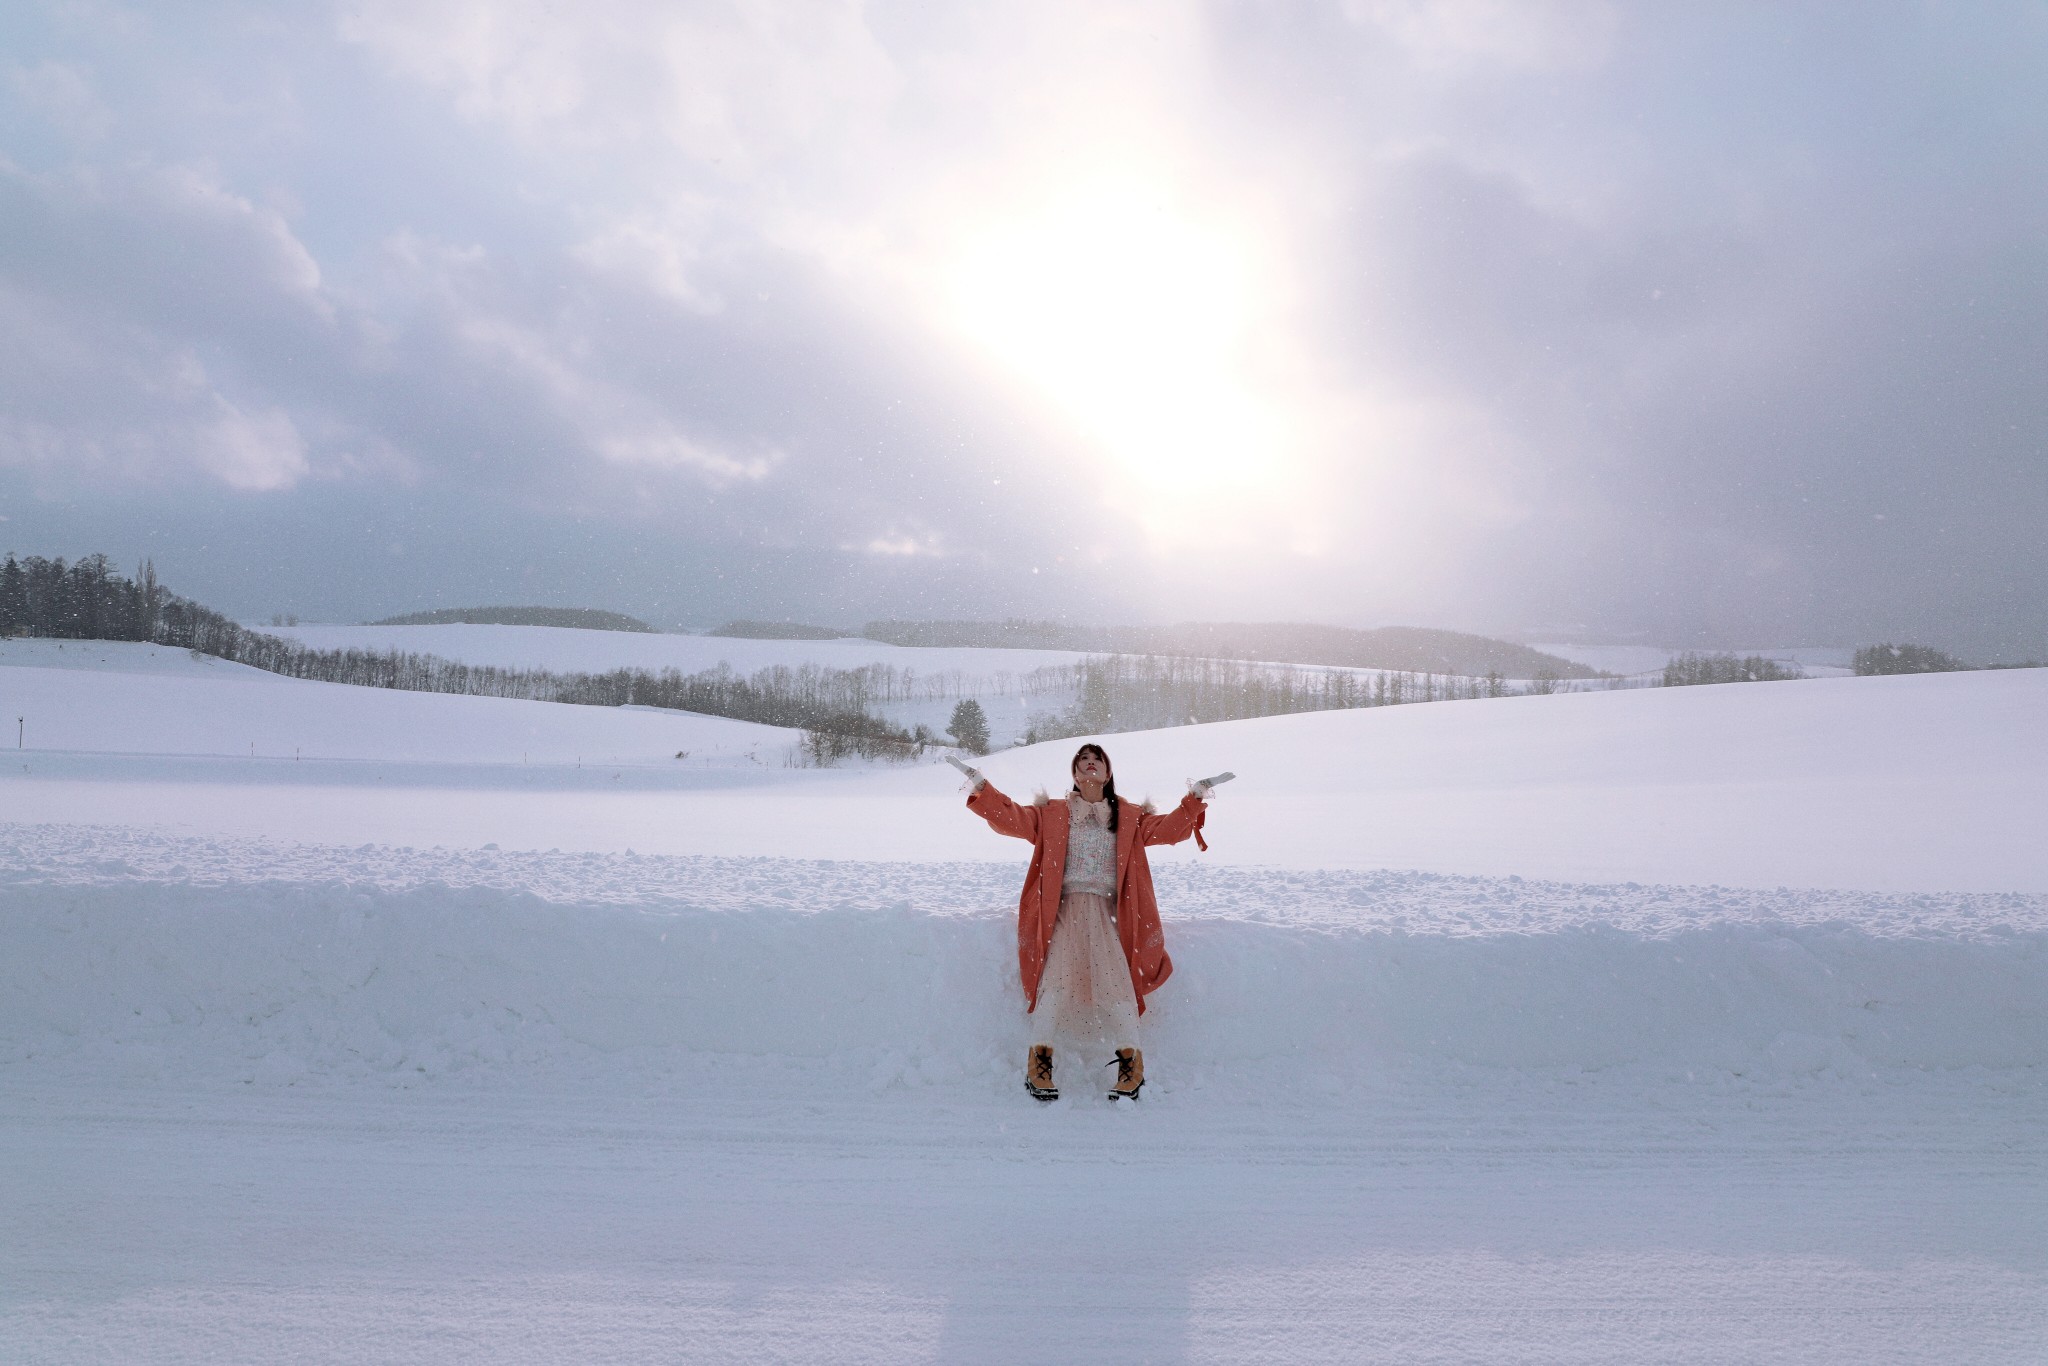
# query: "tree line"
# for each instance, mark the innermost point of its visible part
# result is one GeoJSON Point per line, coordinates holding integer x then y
{"type": "Point", "coordinates": [85, 600]}
{"type": "Point", "coordinates": [1407, 649]}
{"type": "Point", "coordinates": [89, 601]}
{"type": "Point", "coordinates": [1875, 660]}
{"type": "Point", "coordinates": [1691, 668]}
{"type": "Point", "coordinates": [1123, 692]}
{"type": "Point", "coordinates": [574, 618]}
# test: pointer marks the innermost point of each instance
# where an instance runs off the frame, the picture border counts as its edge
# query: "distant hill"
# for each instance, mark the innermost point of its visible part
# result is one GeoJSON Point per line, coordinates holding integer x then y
{"type": "Point", "coordinates": [1417, 648]}
{"type": "Point", "coordinates": [1003, 635]}
{"type": "Point", "coordinates": [1409, 648]}
{"type": "Point", "coordinates": [778, 630]}
{"type": "Point", "coordinates": [581, 618]}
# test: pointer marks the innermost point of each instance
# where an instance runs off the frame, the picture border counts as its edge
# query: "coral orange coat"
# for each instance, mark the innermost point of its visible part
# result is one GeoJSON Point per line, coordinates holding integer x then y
{"type": "Point", "coordinates": [1137, 911]}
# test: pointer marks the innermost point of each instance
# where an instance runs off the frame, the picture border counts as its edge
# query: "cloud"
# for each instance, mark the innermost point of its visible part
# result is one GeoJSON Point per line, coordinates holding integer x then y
{"type": "Point", "coordinates": [113, 293]}
{"type": "Point", "coordinates": [1480, 36]}
{"type": "Point", "coordinates": [900, 545]}
{"type": "Point", "coordinates": [1472, 313]}
{"type": "Point", "coordinates": [660, 251]}
{"type": "Point", "coordinates": [251, 451]}
{"type": "Point", "coordinates": [62, 94]}
{"type": "Point", "coordinates": [744, 86]}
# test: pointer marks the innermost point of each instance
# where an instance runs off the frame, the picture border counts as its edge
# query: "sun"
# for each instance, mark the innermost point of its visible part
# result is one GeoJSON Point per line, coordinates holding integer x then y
{"type": "Point", "coordinates": [1134, 323]}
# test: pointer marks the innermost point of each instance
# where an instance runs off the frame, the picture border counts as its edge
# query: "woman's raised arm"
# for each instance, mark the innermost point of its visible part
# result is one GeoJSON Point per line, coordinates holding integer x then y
{"type": "Point", "coordinates": [1176, 825]}
{"type": "Point", "coordinates": [1004, 816]}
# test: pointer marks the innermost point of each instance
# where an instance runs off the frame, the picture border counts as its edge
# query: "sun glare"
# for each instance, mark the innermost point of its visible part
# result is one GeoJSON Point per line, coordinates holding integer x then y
{"type": "Point", "coordinates": [1133, 324]}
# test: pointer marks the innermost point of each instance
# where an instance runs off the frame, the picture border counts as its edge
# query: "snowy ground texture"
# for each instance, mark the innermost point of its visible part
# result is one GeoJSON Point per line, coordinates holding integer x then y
{"type": "Point", "coordinates": [300, 1103]}
{"type": "Point", "coordinates": [280, 1080]}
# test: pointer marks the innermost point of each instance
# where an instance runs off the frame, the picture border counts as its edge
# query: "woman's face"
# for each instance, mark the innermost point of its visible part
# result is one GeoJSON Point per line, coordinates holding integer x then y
{"type": "Point", "coordinates": [1091, 768]}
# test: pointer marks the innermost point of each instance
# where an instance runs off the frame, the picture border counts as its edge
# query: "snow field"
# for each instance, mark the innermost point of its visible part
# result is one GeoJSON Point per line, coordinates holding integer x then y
{"type": "Point", "coordinates": [995, 677]}
{"type": "Point", "coordinates": [405, 1054]}
{"type": "Point", "coordinates": [132, 699]}
{"type": "Point", "coordinates": [1935, 783]}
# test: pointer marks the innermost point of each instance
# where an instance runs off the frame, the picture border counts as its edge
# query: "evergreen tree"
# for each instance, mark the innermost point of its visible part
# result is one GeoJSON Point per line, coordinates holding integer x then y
{"type": "Point", "coordinates": [969, 726]}
{"type": "Point", "coordinates": [13, 598]}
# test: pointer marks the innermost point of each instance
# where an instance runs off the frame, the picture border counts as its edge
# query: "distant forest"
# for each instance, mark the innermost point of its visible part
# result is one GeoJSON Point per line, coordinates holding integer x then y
{"type": "Point", "coordinates": [777, 630]}
{"type": "Point", "coordinates": [579, 618]}
{"type": "Point", "coordinates": [1150, 692]}
{"type": "Point", "coordinates": [1691, 669]}
{"type": "Point", "coordinates": [1408, 649]}
{"type": "Point", "coordinates": [85, 600]}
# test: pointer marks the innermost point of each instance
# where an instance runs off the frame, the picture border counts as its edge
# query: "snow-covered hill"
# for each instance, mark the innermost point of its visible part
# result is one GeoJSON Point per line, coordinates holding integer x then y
{"type": "Point", "coordinates": [74, 699]}
{"type": "Point", "coordinates": [1922, 783]}
{"type": "Point", "coordinates": [570, 651]}
{"type": "Point", "coordinates": [934, 679]}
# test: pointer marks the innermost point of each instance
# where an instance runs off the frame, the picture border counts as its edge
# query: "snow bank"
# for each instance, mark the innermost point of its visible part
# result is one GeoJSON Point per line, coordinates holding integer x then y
{"type": "Point", "coordinates": [283, 983]}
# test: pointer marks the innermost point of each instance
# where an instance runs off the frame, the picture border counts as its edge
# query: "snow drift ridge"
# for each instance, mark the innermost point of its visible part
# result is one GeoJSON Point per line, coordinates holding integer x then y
{"type": "Point", "coordinates": [278, 983]}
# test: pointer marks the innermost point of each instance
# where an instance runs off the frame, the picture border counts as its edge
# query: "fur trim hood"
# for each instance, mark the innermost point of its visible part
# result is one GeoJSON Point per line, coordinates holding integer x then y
{"type": "Point", "coordinates": [1041, 798]}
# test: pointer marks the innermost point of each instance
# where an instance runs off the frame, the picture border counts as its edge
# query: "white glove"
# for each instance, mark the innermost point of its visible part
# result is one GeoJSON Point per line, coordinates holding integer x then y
{"type": "Point", "coordinates": [1201, 787]}
{"type": "Point", "coordinates": [973, 774]}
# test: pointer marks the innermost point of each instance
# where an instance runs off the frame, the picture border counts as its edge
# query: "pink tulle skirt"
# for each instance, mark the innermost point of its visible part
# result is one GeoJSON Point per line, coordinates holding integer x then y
{"type": "Point", "coordinates": [1085, 996]}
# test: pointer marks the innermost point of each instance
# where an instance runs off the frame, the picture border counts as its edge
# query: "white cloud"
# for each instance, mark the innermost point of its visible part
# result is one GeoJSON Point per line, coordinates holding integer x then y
{"type": "Point", "coordinates": [114, 284]}
{"type": "Point", "coordinates": [740, 85]}
{"type": "Point", "coordinates": [258, 452]}
{"type": "Point", "coordinates": [501, 61]}
{"type": "Point", "coordinates": [658, 250]}
{"type": "Point", "coordinates": [1461, 37]}
{"type": "Point", "coordinates": [900, 545]}
{"type": "Point", "coordinates": [279, 257]}
{"type": "Point", "coordinates": [556, 367]}
{"type": "Point", "coordinates": [61, 93]}
{"type": "Point", "coordinates": [662, 447]}
{"type": "Point", "coordinates": [167, 421]}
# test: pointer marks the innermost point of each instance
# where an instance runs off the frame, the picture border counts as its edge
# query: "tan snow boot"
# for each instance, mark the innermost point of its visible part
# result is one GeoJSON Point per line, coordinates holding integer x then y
{"type": "Point", "coordinates": [1038, 1073]}
{"type": "Point", "coordinates": [1130, 1074]}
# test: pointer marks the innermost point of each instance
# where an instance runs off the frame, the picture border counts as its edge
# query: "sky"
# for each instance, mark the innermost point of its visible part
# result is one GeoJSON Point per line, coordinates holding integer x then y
{"type": "Point", "coordinates": [1711, 326]}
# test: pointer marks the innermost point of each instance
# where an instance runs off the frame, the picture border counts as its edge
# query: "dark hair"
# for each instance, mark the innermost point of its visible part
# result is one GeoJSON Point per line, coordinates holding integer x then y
{"type": "Point", "coordinates": [1108, 788]}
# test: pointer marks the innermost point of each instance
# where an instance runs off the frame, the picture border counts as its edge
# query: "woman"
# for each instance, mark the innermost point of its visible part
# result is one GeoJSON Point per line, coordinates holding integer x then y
{"type": "Point", "coordinates": [1088, 937]}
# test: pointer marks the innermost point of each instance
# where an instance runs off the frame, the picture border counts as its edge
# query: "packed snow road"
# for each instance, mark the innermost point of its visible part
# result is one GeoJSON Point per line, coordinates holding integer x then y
{"type": "Point", "coordinates": [782, 1217]}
